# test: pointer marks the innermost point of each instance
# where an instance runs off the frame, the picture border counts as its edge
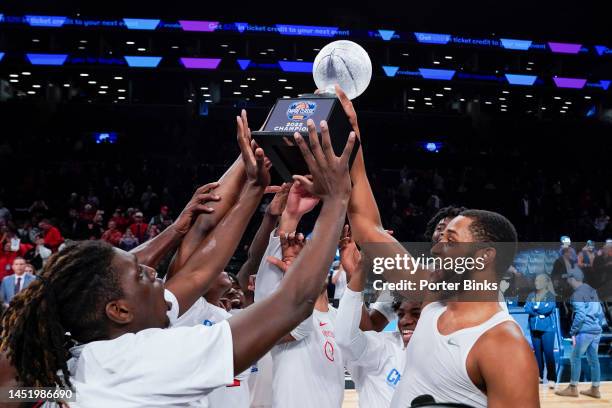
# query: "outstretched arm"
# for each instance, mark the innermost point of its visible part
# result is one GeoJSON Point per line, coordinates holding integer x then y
{"type": "Point", "coordinates": [366, 224]}
{"type": "Point", "coordinates": [150, 253]}
{"type": "Point", "coordinates": [214, 252]}
{"type": "Point", "coordinates": [258, 328]}
{"type": "Point", "coordinates": [299, 203]}
{"type": "Point", "coordinates": [363, 213]}
{"type": "Point", "coordinates": [230, 186]}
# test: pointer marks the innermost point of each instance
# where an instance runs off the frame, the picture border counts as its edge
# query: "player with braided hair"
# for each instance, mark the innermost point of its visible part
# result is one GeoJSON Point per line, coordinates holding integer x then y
{"type": "Point", "coordinates": [115, 308]}
{"type": "Point", "coordinates": [67, 297]}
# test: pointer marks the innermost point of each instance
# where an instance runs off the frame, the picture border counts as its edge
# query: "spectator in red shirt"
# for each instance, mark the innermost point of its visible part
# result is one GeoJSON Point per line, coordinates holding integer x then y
{"type": "Point", "coordinates": [139, 227]}
{"type": "Point", "coordinates": [88, 213]}
{"type": "Point", "coordinates": [51, 235]}
{"type": "Point", "coordinates": [112, 235]}
{"type": "Point", "coordinates": [121, 221]}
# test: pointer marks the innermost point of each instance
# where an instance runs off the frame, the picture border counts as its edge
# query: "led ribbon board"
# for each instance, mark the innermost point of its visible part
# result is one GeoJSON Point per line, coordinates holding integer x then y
{"type": "Point", "coordinates": [201, 63]}
{"type": "Point", "coordinates": [142, 62]}
{"type": "Point", "coordinates": [45, 21]}
{"type": "Point", "coordinates": [573, 83]}
{"type": "Point", "coordinates": [295, 66]}
{"type": "Point", "coordinates": [307, 31]}
{"type": "Point", "coordinates": [516, 79]}
{"type": "Point", "coordinates": [564, 48]}
{"type": "Point", "coordinates": [47, 59]}
{"type": "Point", "coordinates": [203, 26]}
{"type": "Point", "coordinates": [141, 23]}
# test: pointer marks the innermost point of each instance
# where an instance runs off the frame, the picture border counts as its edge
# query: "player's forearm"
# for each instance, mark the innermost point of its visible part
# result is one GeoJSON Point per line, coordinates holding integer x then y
{"type": "Point", "coordinates": [289, 222]}
{"type": "Point", "coordinates": [214, 252]}
{"type": "Point", "coordinates": [257, 249]}
{"type": "Point", "coordinates": [150, 253]}
{"type": "Point", "coordinates": [362, 211]}
{"type": "Point", "coordinates": [366, 225]}
{"type": "Point", "coordinates": [230, 187]}
{"type": "Point", "coordinates": [358, 279]}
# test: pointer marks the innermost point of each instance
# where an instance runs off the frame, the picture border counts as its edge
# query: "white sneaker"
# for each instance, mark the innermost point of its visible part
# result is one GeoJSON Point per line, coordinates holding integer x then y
{"type": "Point", "coordinates": [552, 385]}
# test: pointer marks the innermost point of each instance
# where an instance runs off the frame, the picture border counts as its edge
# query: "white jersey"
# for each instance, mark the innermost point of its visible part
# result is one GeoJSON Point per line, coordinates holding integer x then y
{"type": "Point", "coordinates": [438, 362]}
{"type": "Point", "coordinates": [260, 382]}
{"type": "Point", "coordinates": [309, 372]}
{"type": "Point", "coordinates": [237, 393]}
{"type": "Point", "coordinates": [341, 283]}
{"type": "Point", "coordinates": [375, 360]}
{"type": "Point", "coordinates": [268, 275]}
{"type": "Point", "coordinates": [174, 367]}
{"type": "Point", "coordinates": [268, 279]}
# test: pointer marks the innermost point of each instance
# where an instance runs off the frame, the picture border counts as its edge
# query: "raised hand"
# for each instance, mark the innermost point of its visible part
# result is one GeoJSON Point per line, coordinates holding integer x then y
{"type": "Point", "coordinates": [256, 166]}
{"type": "Point", "coordinates": [196, 206]}
{"type": "Point", "coordinates": [279, 202]}
{"type": "Point", "coordinates": [300, 201]}
{"type": "Point", "coordinates": [291, 246]}
{"type": "Point", "coordinates": [330, 173]}
{"type": "Point", "coordinates": [349, 253]}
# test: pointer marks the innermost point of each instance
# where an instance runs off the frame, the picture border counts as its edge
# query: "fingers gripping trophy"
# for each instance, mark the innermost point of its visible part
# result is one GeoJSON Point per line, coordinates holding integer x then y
{"type": "Point", "coordinates": [342, 63]}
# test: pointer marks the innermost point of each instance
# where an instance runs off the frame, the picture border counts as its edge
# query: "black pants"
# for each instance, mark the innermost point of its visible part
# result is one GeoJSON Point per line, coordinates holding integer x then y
{"type": "Point", "coordinates": [543, 345]}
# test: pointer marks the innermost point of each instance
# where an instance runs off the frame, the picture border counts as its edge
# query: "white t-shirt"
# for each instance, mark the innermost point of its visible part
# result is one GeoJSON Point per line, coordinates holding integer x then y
{"type": "Point", "coordinates": [268, 279]}
{"type": "Point", "coordinates": [260, 382]}
{"type": "Point", "coordinates": [174, 367]}
{"type": "Point", "coordinates": [310, 372]}
{"type": "Point", "coordinates": [236, 394]}
{"type": "Point", "coordinates": [375, 360]}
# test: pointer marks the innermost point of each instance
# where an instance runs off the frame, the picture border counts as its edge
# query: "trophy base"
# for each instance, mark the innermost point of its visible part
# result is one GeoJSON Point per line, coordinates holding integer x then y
{"type": "Point", "coordinates": [289, 116]}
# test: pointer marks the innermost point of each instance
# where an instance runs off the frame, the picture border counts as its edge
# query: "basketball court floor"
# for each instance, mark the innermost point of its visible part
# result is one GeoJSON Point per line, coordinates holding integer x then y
{"type": "Point", "coordinates": [548, 398]}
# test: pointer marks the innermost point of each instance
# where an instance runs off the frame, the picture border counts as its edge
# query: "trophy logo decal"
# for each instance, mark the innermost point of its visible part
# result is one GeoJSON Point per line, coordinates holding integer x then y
{"type": "Point", "coordinates": [301, 110]}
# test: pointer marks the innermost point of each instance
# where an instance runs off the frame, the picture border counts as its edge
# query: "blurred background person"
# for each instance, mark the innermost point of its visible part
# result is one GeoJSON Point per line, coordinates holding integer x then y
{"type": "Point", "coordinates": [139, 227]}
{"type": "Point", "coordinates": [16, 282]}
{"type": "Point", "coordinates": [163, 219]}
{"type": "Point", "coordinates": [128, 241]}
{"type": "Point", "coordinates": [586, 334]}
{"type": "Point", "coordinates": [541, 306]}
{"type": "Point", "coordinates": [51, 235]}
{"type": "Point", "coordinates": [112, 235]}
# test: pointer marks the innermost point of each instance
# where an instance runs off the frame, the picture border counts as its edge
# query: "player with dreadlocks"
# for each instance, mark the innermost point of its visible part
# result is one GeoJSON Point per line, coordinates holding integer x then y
{"type": "Point", "coordinates": [67, 295]}
{"type": "Point", "coordinates": [114, 307]}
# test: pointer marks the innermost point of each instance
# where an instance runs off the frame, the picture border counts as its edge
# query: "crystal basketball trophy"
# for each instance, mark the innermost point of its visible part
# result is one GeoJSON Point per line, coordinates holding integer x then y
{"type": "Point", "coordinates": [341, 62]}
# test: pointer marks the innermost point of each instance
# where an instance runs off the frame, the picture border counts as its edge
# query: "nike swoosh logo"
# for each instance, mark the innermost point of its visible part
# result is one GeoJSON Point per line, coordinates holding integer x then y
{"type": "Point", "coordinates": [322, 324]}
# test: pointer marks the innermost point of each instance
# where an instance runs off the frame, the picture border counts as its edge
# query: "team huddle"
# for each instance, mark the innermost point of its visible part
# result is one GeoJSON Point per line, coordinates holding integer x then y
{"type": "Point", "coordinates": [99, 320]}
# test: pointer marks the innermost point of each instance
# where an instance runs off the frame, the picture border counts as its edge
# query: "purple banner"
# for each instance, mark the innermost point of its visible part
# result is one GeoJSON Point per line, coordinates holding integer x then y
{"type": "Point", "coordinates": [201, 63]}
